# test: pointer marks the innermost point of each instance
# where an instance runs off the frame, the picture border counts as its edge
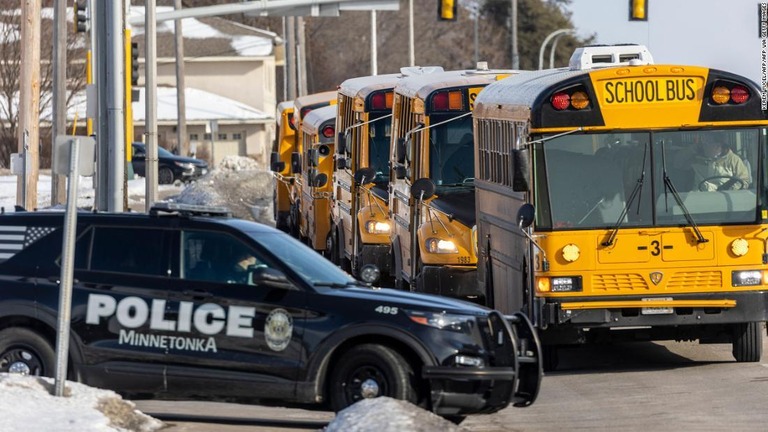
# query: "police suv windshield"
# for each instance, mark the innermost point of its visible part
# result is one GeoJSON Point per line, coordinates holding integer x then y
{"type": "Point", "coordinates": [313, 268]}
{"type": "Point", "coordinates": [639, 179]}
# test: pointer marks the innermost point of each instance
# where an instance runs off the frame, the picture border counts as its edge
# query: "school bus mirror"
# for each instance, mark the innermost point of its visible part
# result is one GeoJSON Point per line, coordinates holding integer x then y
{"type": "Point", "coordinates": [275, 164]}
{"type": "Point", "coordinates": [520, 173]}
{"type": "Point", "coordinates": [423, 188]}
{"type": "Point", "coordinates": [313, 157]}
{"type": "Point", "coordinates": [365, 175]}
{"type": "Point", "coordinates": [319, 180]}
{"type": "Point", "coordinates": [295, 163]}
{"type": "Point", "coordinates": [400, 150]}
{"type": "Point", "coordinates": [339, 163]}
{"type": "Point", "coordinates": [525, 215]}
{"type": "Point", "coordinates": [399, 171]}
{"type": "Point", "coordinates": [341, 143]}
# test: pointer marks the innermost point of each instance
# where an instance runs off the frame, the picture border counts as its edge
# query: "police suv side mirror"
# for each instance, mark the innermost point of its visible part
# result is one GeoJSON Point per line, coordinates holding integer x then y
{"type": "Point", "coordinates": [295, 162]}
{"type": "Point", "coordinates": [423, 188]}
{"type": "Point", "coordinates": [520, 172]}
{"type": "Point", "coordinates": [275, 163]}
{"type": "Point", "coordinates": [269, 277]}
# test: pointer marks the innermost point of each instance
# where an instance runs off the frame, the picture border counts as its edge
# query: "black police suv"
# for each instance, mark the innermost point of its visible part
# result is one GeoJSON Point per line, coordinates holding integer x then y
{"type": "Point", "coordinates": [170, 167]}
{"type": "Point", "coordinates": [186, 302]}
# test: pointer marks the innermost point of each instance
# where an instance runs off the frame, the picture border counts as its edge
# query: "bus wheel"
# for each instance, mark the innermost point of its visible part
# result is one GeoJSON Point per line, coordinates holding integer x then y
{"type": "Point", "coordinates": [747, 342]}
{"type": "Point", "coordinates": [330, 247]}
{"type": "Point", "coordinates": [26, 352]}
{"type": "Point", "coordinates": [369, 371]}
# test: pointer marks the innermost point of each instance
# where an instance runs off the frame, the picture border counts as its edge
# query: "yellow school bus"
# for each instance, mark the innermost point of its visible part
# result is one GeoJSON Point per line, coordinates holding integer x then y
{"type": "Point", "coordinates": [302, 106]}
{"type": "Point", "coordinates": [621, 199]}
{"type": "Point", "coordinates": [359, 238]}
{"type": "Point", "coordinates": [280, 162]}
{"type": "Point", "coordinates": [431, 189]}
{"type": "Point", "coordinates": [317, 140]}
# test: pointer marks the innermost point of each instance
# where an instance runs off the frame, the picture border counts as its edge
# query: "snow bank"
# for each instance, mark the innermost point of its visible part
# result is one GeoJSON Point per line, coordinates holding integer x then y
{"type": "Point", "coordinates": [30, 406]}
{"type": "Point", "coordinates": [238, 183]}
{"type": "Point", "coordinates": [385, 414]}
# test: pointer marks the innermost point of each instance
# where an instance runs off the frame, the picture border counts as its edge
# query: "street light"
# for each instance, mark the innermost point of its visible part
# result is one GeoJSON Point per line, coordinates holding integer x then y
{"type": "Point", "coordinates": [546, 41]}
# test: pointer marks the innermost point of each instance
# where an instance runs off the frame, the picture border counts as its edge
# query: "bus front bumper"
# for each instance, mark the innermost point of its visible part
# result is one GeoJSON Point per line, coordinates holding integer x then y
{"type": "Point", "coordinates": [451, 281]}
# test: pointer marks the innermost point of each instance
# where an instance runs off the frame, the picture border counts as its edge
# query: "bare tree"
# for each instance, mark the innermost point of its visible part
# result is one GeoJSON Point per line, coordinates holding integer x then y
{"type": "Point", "coordinates": [10, 69]}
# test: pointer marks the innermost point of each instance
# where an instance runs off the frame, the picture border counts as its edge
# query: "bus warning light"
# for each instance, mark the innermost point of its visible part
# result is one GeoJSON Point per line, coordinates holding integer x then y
{"type": "Point", "coordinates": [579, 100]}
{"type": "Point", "coordinates": [561, 101]}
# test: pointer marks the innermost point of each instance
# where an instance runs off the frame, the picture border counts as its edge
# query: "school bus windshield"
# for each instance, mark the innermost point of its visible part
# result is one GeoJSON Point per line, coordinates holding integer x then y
{"type": "Point", "coordinates": [641, 179]}
{"type": "Point", "coordinates": [451, 153]}
{"type": "Point", "coordinates": [380, 132]}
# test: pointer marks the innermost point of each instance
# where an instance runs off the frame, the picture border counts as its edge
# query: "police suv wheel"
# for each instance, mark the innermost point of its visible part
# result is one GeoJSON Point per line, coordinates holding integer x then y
{"type": "Point", "coordinates": [25, 352]}
{"type": "Point", "coordinates": [369, 371]}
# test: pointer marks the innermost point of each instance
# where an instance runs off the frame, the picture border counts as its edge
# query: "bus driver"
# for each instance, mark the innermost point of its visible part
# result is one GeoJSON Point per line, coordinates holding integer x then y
{"type": "Point", "coordinates": [715, 167]}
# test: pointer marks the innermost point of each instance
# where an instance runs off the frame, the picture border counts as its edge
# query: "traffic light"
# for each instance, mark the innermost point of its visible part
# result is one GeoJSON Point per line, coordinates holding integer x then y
{"type": "Point", "coordinates": [446, 10]}
{"type": "Point", "coordinates": [134, 64]}
{"type": "Point", "coordinates": [638, 10]}
{"type": "Point", "coordinates": [81, 16]}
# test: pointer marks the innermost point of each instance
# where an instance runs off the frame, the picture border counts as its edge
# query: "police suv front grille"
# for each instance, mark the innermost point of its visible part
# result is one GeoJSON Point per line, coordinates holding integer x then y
{"type": "Point", "coordinates": [618, 283]}
{"type": "Point", "coordinates": [696, 280]}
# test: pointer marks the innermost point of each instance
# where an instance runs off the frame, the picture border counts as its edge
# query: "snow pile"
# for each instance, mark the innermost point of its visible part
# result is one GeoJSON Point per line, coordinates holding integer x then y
{"type": "Point", "coordinates": [31, 406]}
{"type": "Point", "coordinates": [385, 414]}
{"type": "Point", "coordinates": [238, 183]}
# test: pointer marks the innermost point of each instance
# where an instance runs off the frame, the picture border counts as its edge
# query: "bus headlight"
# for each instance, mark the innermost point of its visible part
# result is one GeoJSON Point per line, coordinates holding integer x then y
{"type": "Point", "coordinates": [377, 227]}
{"type": "Point", "coordinates": [559, 284]}
{"type": "Point", "coordinates": [435, 245]}
{"type": "Point", "coordinates": [746, 278]}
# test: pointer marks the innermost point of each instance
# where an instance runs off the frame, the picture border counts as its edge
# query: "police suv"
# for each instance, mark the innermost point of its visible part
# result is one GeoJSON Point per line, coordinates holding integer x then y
{"type": "Point", "coordinates": [158, 309]}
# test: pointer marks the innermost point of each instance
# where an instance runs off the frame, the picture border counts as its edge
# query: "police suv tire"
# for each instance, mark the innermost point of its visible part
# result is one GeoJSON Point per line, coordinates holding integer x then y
{"type": "Point", "coordinates": [370, 362]}
{"type": "Point", "coordinates": [747, 342]}
{"type": "Point", "coordinates": [20, 345]}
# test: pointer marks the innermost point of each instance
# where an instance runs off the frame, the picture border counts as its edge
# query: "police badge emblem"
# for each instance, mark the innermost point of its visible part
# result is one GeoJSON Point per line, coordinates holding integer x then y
{"type": "Point", "coordinates": [278, 329]}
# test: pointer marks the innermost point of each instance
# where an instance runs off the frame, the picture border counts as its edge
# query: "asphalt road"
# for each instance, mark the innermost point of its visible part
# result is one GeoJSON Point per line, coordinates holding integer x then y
{"type": "Point", "coordinates": [669, 386]}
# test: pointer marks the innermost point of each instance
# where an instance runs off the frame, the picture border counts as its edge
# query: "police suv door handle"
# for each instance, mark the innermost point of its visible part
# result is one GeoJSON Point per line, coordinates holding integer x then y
{"type": "Point", "coordinates": [198, 294]}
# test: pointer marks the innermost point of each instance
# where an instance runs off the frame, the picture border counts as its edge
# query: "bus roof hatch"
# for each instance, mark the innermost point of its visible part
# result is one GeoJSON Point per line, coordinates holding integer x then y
{"type": "Point", "coordinates": [419, 70]}
{"type": "Point", "coordinates": [595, 56]}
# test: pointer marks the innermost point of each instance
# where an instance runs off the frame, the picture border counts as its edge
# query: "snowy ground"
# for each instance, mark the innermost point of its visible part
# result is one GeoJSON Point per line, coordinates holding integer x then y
{"type": "Point", "coordinates": [237, 184]}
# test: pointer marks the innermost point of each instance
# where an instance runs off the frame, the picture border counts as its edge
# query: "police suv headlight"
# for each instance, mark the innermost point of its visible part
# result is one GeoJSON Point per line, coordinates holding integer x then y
{"type": "Point", "coordinates": [435, 245]}
{"type": "Point", "coordinates": [747, 278]}
{"type": "Point", "coordinates": [185, 165]}
{"type": "Point", "coordinates": [559, 284]}
{"type": "Point", "coordinates": [443, 321]}
{"type": "Point", "coordinates": [377, 227]}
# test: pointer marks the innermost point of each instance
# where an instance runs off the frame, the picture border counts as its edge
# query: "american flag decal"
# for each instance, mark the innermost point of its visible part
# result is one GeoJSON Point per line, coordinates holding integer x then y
{"type": "Point", "coordinates": [15, 238]}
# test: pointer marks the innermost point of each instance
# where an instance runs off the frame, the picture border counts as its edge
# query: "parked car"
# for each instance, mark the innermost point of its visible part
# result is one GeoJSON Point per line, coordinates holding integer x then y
{"type": "Point", "coordinates": [170, 167]}
{"type": "Point", "coordinates": [160, 308]}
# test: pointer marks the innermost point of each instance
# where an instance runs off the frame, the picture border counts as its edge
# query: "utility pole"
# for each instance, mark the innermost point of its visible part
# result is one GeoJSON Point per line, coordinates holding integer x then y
{"type": "Point", "coordinates": [181, 113]}
{"type": "Point", "coordinates": [150, 90]}
{"type": "Point", "coordinates": [301, 56]}
{"type": "Point", "coordinates": [58, 126]}
{"type": "Point", "coordinates": [411, 48]}
{"type": "Point", "coordinates": [290, 57]}
{"type": "Point", "coordinates": [29, 104]}
{"type": "Point", "coordinates": [374, 54]}
{"type": "Point", "coordinates": [515, 54]}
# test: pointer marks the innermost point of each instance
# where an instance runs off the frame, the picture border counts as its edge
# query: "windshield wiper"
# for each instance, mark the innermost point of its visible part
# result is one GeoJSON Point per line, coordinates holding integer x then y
{"type": "Point", "coordinates": [668, 186]}
{"type": "Point", "coordinates": [637, 191]}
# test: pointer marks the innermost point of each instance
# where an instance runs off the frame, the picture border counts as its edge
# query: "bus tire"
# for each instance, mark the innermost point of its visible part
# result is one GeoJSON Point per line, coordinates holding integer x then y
{"type": "Point", "coordinates": [747, 342]}
{"type": "Point", "coordinates": [26, 352]}
{"type": "Point", "coordinates": [383, 371]}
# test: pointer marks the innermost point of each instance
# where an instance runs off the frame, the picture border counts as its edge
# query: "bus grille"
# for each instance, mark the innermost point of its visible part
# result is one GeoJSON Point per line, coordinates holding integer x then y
{"type": "Point", "coordinates": [618, 282]}
{"type": "Point", "coordinates": [695, 280]}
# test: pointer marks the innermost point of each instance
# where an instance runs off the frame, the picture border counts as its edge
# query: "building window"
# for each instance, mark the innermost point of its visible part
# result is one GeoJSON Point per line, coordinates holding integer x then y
{"type": "Point", "coordinates": [237, 136]}
{"type": "Point", "coordinates": [207, 137]}
{"type": "Point", "coordinates": [193, 137]}
{"type": "Point", "coordinates": [222, 136]}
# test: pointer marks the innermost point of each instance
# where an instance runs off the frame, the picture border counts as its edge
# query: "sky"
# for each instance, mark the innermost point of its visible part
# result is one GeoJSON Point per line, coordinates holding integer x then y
{"type": "Point", "coordinates": [714, 33]}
